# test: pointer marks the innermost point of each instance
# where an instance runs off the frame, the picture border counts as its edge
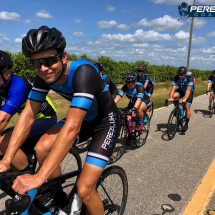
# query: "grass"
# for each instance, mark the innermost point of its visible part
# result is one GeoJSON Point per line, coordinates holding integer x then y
{"type": "Point", "coordinates": [161, 93]}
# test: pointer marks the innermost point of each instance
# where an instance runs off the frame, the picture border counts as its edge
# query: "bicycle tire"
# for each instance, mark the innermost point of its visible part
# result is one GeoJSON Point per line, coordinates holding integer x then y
{"type": "Point", "coordinates": [211, 110]}
{"type": "Point", "coordinates": [120, 144]}
{"type": "Point", "coordinates": [108, 177]}
{"type": "Point", "coordinates": [151, 110]}
{"type": "Point", "coordinates": [172, 128]}
{"type": "Point", "coordinates": [42, 203]}
{"type": "Point", "coordinates": [141, 136]}
{"type": "Point", "coordinates": [83, 146]}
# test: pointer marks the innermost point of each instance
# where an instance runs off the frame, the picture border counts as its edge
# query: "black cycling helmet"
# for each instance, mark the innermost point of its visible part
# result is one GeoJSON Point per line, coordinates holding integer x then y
{"type": "Point", "coordinates": [99, 66]}
{"type": "Point", "coordinates": [5, 61]}
{"type": "Point", "coordinates": [130, 77]}
{"type": "Point", "coordinates": [182, 70]}
{"type": "Point", "coordinates": [214, 72]}
{"type": "Point", "coordinates": [42, 39]}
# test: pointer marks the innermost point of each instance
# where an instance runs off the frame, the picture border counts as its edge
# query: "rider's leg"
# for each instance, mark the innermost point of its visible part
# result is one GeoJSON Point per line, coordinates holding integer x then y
{"type": "Point", "coordinates": [20, 160]}
{"type": "Point", "coordinates": [140, 110]}
{"type": "Point", "coordinates": [45, 145]}
{"type": "Point", "coordinates": [211, 96]}
{"type": "Point", "coordinates": [86, 188]}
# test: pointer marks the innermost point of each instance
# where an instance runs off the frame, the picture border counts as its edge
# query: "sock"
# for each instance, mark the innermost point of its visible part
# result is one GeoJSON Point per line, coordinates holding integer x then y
{"type": "Point", "coordinates": [187, 120]}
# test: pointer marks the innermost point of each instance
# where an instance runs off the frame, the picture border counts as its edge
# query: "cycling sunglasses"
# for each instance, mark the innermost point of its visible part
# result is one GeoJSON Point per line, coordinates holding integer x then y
{"type": "Point", "coordinates": [46, 61]}
{"type": "Point", "coordinates": [129, 84]}
{"type": "Point", "coordinates": [181, 74]}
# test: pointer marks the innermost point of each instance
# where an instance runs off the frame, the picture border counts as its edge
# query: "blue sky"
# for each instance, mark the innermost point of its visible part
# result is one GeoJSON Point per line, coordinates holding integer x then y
{"type": "Point", "coordinates": [126, 30]}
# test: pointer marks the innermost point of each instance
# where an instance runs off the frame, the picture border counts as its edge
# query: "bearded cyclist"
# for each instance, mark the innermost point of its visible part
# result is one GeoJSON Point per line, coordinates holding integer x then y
{"type": "Point", "coordinates": [139, 100]}
{"type": "Point", "coordinates": [111, 85]}
{"type": "Point", "coordinates": [185, 91]}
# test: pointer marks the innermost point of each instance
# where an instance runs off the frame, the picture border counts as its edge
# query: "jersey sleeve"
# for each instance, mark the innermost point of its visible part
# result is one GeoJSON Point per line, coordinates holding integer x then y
{"type": "Point", "coordinates": [175, 80]}
{"type": "Point", "coordinates": [39, 90]}
{"type": "Point", "coordinates": [113, 89]}
{"type": "Point", "coordinates": [147, 78]}
{"type": "Point", "coordinates": [123, 90]}
{"type": "Point", "coordinates": [140, 91]}
{"type": "Point", "coordinates": [17, 96]}
{"type": "Point", "coordinates": [107, 81]}
{"type": "Point", "coordinates": [210, 79]}
{"type": "Point", "coordinates": [190, 81]}
{"type": "Point", "coordinates": [86, 82]}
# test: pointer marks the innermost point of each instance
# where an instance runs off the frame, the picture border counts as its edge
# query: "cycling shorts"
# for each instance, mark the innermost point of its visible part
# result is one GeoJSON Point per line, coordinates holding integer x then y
{"type": "Point", "coordinates": [181, 95]}
{"type": "Point", "coordinates": [213, 88]}
{"type": "Point", "coordinates": [146, 102]}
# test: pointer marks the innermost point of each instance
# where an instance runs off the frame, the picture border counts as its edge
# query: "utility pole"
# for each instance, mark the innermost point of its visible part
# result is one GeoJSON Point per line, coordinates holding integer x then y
{"type": "Point", "coordinates": [190, 42]}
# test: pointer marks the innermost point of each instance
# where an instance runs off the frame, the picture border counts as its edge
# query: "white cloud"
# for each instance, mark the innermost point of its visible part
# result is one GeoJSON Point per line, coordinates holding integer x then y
{"type": "Point", "coordinates": [165, 23]}
{"type": "Point", "coordinates": [106, 24]}
{"type": "Point", "coordinates": [43, 14]}
{"type": "Point", "coordinates": [211, 34]}
{"type": "Point", "coordinates": [110, 8]}
{"type": "Point", "coordinates": [199, 23]}
{"type": "Point", "coordinates": [28, 21]}
{"type": "Point", "coordinates": [78, 21]}
{"type": "Point", "coordinates": [78, 34]}
{"type": "Point", "coordinates": [123, 27]}
{"type": "Point", "coordinates": [9, 16]}
{"type": "Point", "coordinates": [18, 40]}
{"type": "Point", "coordinates": [139, 36]}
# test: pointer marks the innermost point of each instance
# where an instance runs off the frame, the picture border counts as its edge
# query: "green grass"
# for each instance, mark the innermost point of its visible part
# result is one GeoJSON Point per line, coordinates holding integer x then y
{"type": "Point", "coordinates": [161, 93]}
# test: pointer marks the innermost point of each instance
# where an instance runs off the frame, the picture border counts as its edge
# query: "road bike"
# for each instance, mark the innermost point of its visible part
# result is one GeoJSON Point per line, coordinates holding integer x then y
{"type": "Point", "coordinates": [211, 107]}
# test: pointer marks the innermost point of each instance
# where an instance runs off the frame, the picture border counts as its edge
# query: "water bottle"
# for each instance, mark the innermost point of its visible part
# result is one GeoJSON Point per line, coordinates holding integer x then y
{"type": "Point", "coordinates": [76, 205]}
{"type": "Point", "coordinates": [181, 111]}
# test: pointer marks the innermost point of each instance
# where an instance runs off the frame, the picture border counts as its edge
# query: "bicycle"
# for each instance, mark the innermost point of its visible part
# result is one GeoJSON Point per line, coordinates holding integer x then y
{"type": "Point", "coordinates": [108, 187]}
{"type": "Point", "coordinates": [151, 110]}
{"type": "Point", "coordinates": [177, 117]}
{"type": "Point", "coordinates": [211, 107]}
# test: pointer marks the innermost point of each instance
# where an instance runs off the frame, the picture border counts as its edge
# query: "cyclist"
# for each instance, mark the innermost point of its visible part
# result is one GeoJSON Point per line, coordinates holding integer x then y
{"type": "Point", "coordinates": [14, 92]}
{"type": "Point", "coordinates": [92, 113]}
{"type": "Point", "coordinates": [111, 85]}
{"type": "Point", "coordinates": [211, 80]}
{"type": "Point", "coordinates": [139, 99]}
{"type": "Point", "coordinates": [144, 79]}
{"type": "Point", "coordinates": [185, 91]}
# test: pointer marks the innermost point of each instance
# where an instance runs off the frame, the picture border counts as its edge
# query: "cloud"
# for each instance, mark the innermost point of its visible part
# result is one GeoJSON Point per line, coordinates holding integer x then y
{"type": "Point", "coordinates": [165, 23]}
{"type": "Point", "coordinates": [139, 36]}
{"type": "Point", "coordinates": [123, 27]}
{"type": "Point", "coordinates": [28, 21]}
{"type": "Point", "coordinates": [19, 38]}
{"type": "Point", "coordinates": [110, 8]}
{"type": "Point", "coordinates": [43, 14]}
{"type": "Point", "coordinates": [199, 23]}
{"type": "Point", "coordinates": [78, 34]}
{"type": "Point", "coordinates": [9, 16]}
{"type": "Point", "coordinates": [78, 21]}
{"type": "Point", "coordinates": [106, 24]}
{"type": "Point", "coordinates": [211, 34]}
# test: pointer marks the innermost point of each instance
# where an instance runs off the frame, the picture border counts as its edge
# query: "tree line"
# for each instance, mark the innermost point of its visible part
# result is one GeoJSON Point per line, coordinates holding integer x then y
{"type": "Point", "coordinates": [115, 70]}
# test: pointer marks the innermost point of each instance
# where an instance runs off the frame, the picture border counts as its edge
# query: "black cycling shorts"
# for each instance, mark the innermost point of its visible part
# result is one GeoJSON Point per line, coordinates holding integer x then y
{"type": "Point", "coordinates": [213, 88]}
{"type": "Point", "coordinates": [104, 132]}
{"type": "Point", "coordinates": [181, 95]}
{"type": "Point", "coordinates": [146, 102]}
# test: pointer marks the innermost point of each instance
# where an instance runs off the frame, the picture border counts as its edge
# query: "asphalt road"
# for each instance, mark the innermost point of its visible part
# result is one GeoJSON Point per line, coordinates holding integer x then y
{"type": "Point", "coordinates": [163, 173]}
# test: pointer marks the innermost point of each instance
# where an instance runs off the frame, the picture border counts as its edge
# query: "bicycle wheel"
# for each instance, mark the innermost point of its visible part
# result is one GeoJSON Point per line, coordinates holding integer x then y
{"type": "Point", "coordinates": [172, 125]}
{"type": "Point", "coordinates": [120, 145]}
{"type": "Point", "coordinates": [44, 197]}
{"type": "Point", "coordinates": [141, 136]}
{"type": "Point", "coordinates": [211, 110]}
{"type": "Point", "coordinates": [151, 110]}
{"type": "Point", "coordinates": [115, 183]}
{"type": "Point", "coordinates": [83, 146]}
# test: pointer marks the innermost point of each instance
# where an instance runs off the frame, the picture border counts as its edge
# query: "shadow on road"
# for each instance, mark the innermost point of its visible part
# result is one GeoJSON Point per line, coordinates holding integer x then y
{"type": "Point", "coordinates": [205, 113]}
{"type": "Point", "coordinates": [163, 128]}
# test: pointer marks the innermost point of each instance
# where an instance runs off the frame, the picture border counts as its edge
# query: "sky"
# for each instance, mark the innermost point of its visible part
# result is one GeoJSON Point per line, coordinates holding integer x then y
{"type": "Point", "coordinates": [125, 30]}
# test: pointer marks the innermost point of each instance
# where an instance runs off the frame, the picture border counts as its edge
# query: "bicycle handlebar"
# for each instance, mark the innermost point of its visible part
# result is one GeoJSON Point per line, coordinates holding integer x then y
{"type": "Point", "coordinates": [177, 103]}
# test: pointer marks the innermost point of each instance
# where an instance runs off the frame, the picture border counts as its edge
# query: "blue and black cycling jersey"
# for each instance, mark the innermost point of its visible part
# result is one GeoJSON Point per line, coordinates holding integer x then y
{"type": "Point", "coordinates": [144, 79]}
{"type": "Point", "coordinates": [184, 83]}
{"type": "Point", "coordinates": [14, 97]}
{"type": "Point", "coordinates": [211, 79]}
{"type": "Point", "coordinates": [134, 94]}
{"type": "Point", "coordinates": [111, 86]}
{"type": "Point", "coordinates": [84, 87]}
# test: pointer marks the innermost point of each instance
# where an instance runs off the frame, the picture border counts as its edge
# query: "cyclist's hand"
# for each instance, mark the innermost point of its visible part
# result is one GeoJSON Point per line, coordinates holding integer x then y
{"type": "Point", "coordinates": [182, 101]}
{"type": "Point", "coordinates": [207, 91]}
{"type": "Point", "coordinates": [133, 110]}
{"type": "Point", "coordinates": [24, 183]}
{"type": "Point", "coordinates": [170, 99]}
{"type": "Point", "coordinates": [4, 166]}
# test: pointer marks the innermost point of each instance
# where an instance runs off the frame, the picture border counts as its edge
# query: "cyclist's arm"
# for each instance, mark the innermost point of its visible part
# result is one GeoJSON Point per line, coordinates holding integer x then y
{"type": "Point", "coordinates": [22, 129]}
{"type": "Point", "coordinates": [4, 120]}
{"type": "Point", "coordinates": [121, 94]}
{"type": "Point", "coordinates": [138, 102]}
{"type": "Point", "coordinates": [187, 93]}
{"type": "Point", "coordinates": [117, 99]}
{"type": "Point", "coordinates": [172, 91]}
{"type": "Point", "coordinates": [145, 85]}
{"type": "Point", "coordinates": [209, 84]}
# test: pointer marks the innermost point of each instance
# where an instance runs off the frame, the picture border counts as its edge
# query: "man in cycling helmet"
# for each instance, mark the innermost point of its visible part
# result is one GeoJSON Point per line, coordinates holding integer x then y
{"type": "Point", "coordinates": [185, 91]}
{"type": "Point", "coordinates": [92, 113]}
{"type": "Point", "coordinates": [211, 81]}
{"type": "Point", "coordinates": [111, 85]}
{"type": "Point", "coordinates": [139, 100]}
{"type": "Point", "coordinates": [14, 92]}
{"type": "Point", "coordinates": [144, 79]}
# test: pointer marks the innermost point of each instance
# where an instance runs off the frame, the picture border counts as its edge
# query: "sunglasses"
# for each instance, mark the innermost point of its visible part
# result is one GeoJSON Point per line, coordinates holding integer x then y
{"type": "Point", "coordinates": [182, 74]}
{"type": "Point", "coordinates": [130, 84]}
{"type": "Point", "coordinates": [46, 61]}
{"type": "Point", "coordinates": [140, 71]}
